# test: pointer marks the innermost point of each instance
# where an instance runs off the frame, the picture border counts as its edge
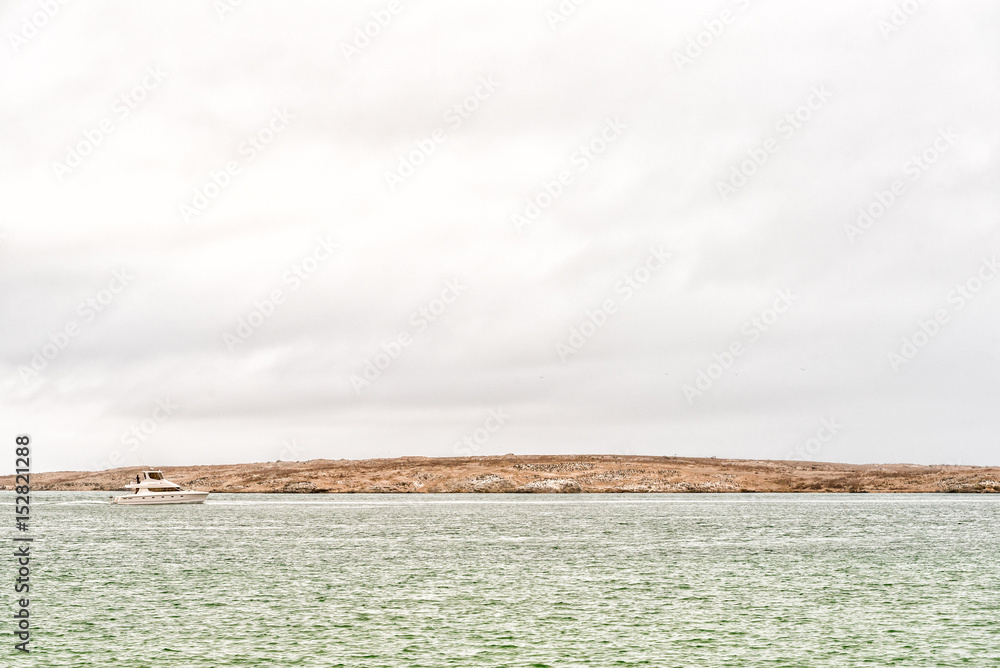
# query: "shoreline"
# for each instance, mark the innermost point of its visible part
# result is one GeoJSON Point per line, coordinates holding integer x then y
{"type": "Point", "coordinates": [527, 474]}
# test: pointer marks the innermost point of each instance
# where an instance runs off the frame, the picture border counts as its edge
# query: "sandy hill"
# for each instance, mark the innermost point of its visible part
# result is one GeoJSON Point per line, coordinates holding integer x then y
{"type": "Point", "coordinates": [550, 473]}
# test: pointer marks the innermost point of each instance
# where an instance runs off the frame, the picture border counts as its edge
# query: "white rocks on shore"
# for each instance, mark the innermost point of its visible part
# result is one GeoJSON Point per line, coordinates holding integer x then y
{"type": "Point", "coordinates": [556, 485]}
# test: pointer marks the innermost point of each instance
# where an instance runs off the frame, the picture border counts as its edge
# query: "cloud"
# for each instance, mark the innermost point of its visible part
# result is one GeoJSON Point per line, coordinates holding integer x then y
{"type": "Point", "coordinates": [351, 121]}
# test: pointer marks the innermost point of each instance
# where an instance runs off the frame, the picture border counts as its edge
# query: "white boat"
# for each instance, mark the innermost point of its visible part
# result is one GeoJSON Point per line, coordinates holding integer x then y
{"type": "Point", "coordinates": [153, 489]}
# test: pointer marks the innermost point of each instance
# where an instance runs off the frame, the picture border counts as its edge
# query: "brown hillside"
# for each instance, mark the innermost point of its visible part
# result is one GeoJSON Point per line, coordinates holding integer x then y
{"type": "Point", "coordinates": [551, 473]}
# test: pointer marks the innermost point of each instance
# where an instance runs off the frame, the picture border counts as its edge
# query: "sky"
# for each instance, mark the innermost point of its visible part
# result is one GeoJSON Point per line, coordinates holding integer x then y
{"type": "Point", "coordinates": [246, 231]}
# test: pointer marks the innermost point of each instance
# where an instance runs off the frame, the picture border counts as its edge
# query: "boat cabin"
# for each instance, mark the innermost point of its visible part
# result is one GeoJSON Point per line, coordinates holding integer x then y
{"type": "Point", "coordinates": [152, 481]}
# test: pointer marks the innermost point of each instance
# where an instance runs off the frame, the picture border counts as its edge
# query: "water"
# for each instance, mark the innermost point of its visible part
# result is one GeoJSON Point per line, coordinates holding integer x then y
{"type": "Point", "coordinates": [511, 580]}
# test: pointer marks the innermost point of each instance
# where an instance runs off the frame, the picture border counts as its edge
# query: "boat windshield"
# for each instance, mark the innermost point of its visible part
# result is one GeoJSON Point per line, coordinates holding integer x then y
{"type": "Point", "coordinates": [155, 475]}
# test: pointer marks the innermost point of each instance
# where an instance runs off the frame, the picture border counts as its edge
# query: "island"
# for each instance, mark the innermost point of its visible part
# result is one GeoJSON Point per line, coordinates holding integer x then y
{"type": "Point", "coordinates": [532, 474]}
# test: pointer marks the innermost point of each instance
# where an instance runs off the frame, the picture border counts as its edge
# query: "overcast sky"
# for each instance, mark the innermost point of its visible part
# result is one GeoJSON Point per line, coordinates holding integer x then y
{"type": "Point", "coordinates": [735, 229]}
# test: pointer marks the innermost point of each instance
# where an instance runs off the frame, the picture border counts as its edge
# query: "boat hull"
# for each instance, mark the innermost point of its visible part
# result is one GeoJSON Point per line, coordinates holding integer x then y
{"type": "Point", "coordinates": [160, 499]}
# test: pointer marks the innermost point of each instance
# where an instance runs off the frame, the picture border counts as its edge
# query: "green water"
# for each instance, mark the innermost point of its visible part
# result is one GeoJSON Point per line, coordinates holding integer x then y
{"type": "Point", "coordinates": [511, 580]}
